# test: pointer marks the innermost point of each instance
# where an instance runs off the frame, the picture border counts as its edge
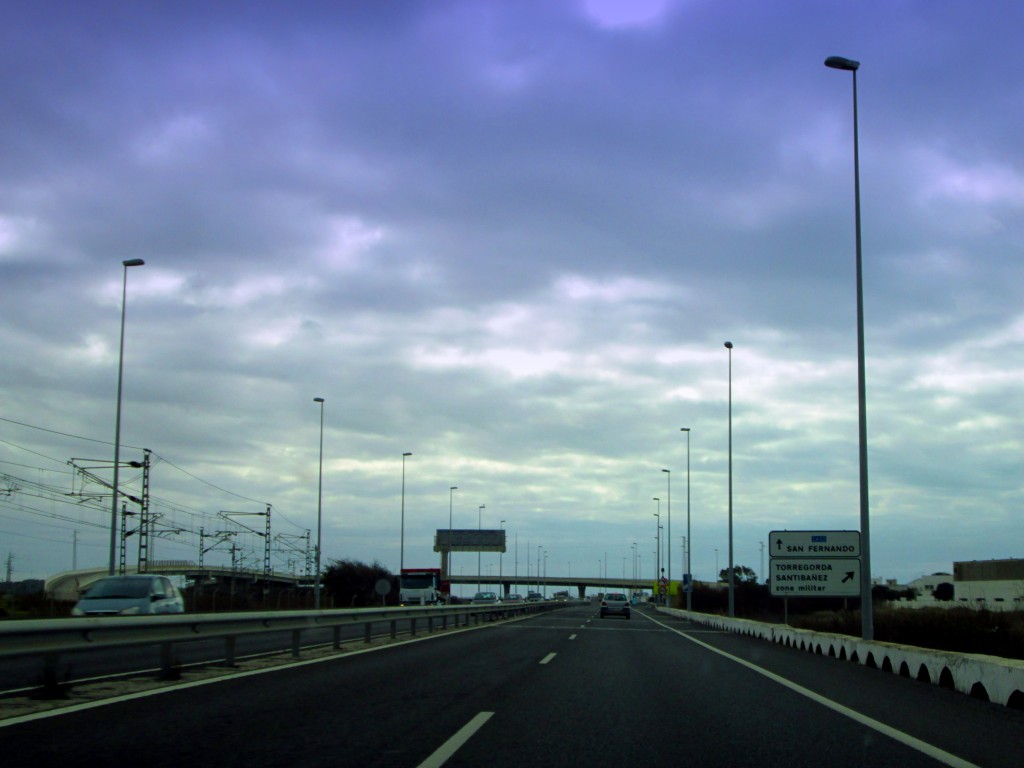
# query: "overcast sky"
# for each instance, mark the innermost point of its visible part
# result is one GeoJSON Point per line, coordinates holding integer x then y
{"type": "Point", "coordinates": [511, 238]}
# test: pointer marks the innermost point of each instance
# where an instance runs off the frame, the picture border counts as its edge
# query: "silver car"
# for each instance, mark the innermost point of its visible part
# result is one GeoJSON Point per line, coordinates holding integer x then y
{"type": "Point", "coordinates": [130, 596]}
{"type": "Point", "coordinates": [484, 598]}
{"type": "Point", "coordinates": [615, 603]}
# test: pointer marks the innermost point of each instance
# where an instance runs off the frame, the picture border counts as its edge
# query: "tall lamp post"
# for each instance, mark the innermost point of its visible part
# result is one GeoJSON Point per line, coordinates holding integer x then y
{"type": "Point", "coordinates": [401, 543]}
{"type": "Point", "coordinates": [657, 549]}
{"type": "Point", "coordinates": [451, 491]}
{"type": "Point", "coordinates": [117, 419]}
{"type": "Point", "coordinates": [866, 611]}
{"type": "Point", "coordinates": [668, 528]}
{"type": "Point", "coordinates": [689, 577]}
{"type": "Point", "coordinates": [732, 603]}
{"type": "Point", "coordinates": [501, 589]}
{"type": "Point", "coordinates": [479, 518]}
{"type": "Point", "coordinates": [319, 507]}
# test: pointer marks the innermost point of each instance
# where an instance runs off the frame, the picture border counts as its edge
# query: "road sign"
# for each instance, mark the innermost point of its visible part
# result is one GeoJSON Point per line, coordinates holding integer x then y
{"type": "Point", "coordinates": [814, 543]}
{"type": "Point", "coordinates": [815, 577]}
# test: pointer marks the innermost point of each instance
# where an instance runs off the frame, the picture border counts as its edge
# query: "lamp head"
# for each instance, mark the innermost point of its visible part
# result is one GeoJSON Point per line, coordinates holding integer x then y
{"type": "Point", "coordinates": [838, 62]}
{"type": "Point", "coordinates": [318, 399]}
{"type": "Point", "coordinates": [133, 263]}
{"type": "Point", "coordinates": [406, 454]}
{"type": "Point", "coordinates": [728, 345]}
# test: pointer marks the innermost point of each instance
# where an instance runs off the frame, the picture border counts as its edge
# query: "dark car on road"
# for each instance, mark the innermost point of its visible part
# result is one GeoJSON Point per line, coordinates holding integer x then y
{"type": "Point", "coordinates": [615, 603]}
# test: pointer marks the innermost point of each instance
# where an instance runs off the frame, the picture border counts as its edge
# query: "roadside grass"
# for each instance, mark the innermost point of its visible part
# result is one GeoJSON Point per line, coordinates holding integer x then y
{"type": "Point", "coordinates": [957, 629]}
{"type": "Point", "coordinates": [963, 630]}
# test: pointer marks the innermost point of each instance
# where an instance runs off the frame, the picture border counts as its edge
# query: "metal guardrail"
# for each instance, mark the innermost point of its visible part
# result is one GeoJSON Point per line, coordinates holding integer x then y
{"type": "Point", "coordinates": [49, 639]}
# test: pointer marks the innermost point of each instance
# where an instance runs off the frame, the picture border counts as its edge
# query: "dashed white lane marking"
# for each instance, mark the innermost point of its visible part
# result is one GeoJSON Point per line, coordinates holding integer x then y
{"type": "Point", "coordinates": [450, 747]}
{"type": "Point", "coordinates": [572, 637]}
{"type": "Point", "coordinates": [548, 658]}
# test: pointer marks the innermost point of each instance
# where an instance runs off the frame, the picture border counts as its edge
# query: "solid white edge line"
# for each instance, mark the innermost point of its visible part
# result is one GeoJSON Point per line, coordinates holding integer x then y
{"type": "Point", "coordinates": [548, 658]}
{"type": "Point", "coordinates": [903, 738]}
{"type": "Point", "coordinates": [454, 744]}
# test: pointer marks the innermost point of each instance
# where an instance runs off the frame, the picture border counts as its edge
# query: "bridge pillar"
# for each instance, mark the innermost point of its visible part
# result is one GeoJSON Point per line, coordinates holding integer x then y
{"type": "Point", "coordinates": [582, 590]}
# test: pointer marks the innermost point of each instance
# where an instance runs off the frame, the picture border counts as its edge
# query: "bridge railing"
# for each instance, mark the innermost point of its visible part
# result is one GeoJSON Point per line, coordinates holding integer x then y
{"type": "Point", "coordinates": [50, 639]}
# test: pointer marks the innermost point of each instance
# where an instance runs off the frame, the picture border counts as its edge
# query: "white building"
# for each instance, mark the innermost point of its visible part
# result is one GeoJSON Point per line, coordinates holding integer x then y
{"type": "Point", "coordinates": [994, 584]}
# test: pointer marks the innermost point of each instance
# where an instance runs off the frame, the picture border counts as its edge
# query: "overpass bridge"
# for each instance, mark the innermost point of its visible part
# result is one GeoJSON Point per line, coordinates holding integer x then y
{"type": "Point", "coordinates": [507, 584]}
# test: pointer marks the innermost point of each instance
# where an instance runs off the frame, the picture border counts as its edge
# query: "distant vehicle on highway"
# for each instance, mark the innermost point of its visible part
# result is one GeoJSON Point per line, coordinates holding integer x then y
{"type": "Point", "coordinates": [615, 603]}
{"type": "Point", "coordinates": [422, 586]}
{"type": "Point", "coordinates": [534, 597]}
{"type": "Point", "coordinates": [484, 598]}
{"type": "Point", "coordinates": [514, 598]}
{"type": "Point", "coordinates": [130, 596]}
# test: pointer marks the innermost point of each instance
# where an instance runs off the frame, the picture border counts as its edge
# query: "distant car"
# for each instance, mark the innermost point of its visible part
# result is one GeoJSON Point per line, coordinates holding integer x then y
{"type": "Point", "coordinates": [514, 598]}
{"type": "Point", "coordinates": [615, 603]}
{"type": "Point", "coordinates": [130, 596]}
{"type": "Point", "coordinates": [484, 598]}
{"type": "Point", "coordinates": [534, 597]}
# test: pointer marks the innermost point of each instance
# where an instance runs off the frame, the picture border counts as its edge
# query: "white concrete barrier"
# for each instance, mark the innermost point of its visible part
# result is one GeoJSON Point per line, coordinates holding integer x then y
{"type": "Point", "coordinates": [985, 677]}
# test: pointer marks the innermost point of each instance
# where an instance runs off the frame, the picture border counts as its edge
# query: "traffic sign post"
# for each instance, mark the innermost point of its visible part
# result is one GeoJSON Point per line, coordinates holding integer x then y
{"type": "Point", "coordinates": [815, 563]}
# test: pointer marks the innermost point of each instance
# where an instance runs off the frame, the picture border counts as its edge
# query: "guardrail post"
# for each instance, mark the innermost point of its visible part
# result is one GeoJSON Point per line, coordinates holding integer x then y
{"type": "Point", "coordinates": [51, 666]}
{"type": "Point", "coordinates": [168, 669]}
{"type": "Point", "coordinates": [336, 637]}
{"type": "Point", "coordinates": [394, 629]}
{"type": "Point", "coordinates": [296, 643]}
{"type": "Point", "coordinates": [229, 651]}
{"type": "Point", "coordinates": [368, 633]}
{"type": "Point", "coordinates": [412, 627]}
{"type": "Point", "coordinates": [430, 624]}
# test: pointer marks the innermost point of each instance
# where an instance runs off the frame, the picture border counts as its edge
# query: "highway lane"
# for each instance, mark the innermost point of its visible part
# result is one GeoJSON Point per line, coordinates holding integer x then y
{"type": "Point", "coordinates": [563, 688]}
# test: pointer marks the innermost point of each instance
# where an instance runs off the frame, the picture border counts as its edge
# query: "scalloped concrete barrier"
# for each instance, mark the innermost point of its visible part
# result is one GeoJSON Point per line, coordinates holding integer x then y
{"type": "Point", "coordinates": [985, 677]}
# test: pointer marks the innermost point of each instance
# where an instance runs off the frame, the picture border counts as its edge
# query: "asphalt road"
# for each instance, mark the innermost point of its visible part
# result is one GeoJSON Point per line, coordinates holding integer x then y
{"type": "Point", "coordinates": [563, 688]}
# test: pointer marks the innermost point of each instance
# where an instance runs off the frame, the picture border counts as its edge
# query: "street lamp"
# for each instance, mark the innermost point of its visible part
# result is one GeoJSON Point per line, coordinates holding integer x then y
{"type": "Point", "coordinates": [501, 589]}
{"type": "Point", "coordinates": [479, 517]}
{"type": "Point", "coordinates": [545, 590]}
{"type": "Point", "coordinates": [451, 490]}
{"type": "Point", "coordinates": [689, 571]}
{"type": "Point", "coordinates": [866, 611]}
{"type": "Point", "coordinates": [668, 528]}
{"type": "Point", "coordinates": [657, 566]}
{"type": "Point", "coordinates": [401, 544]}
{"type": "Point", "coordinates": [732, 603]}
{"type": "Point", "coordinates": [539, 547]}
{"type": "Point", "coordinates": [117, 419]}
{"type": "Point", "coordinates": [319, 507]}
